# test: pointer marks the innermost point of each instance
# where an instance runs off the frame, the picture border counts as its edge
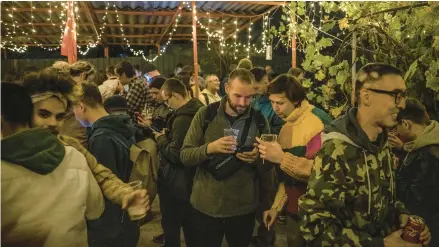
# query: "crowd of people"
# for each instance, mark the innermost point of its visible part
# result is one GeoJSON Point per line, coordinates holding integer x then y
{"type": "Point", "coordinates": [238, 151]}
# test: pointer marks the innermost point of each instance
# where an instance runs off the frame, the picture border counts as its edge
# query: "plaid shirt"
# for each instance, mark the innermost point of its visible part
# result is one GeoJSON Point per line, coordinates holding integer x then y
{"type": "Point", "coordinates": [136, 96]}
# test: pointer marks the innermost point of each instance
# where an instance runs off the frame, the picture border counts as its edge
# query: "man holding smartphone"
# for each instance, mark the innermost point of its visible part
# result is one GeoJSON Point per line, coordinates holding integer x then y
{"type": "Point", "coordinates": [225, 202]}
{"type": "Point", "coordinates": [175, 180]}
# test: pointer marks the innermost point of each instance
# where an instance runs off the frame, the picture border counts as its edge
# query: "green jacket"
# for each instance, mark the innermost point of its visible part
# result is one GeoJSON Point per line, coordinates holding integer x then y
{"type": "Point", "coordinates": [238, 194]}
{"type": "Point", "coordinates": [351, 199]}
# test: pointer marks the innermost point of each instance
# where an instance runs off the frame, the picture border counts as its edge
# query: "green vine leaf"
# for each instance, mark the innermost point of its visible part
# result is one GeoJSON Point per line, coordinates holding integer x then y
{"type": "Point", "coordinates": [320, 75]}
{"type": "Point", "coordinates": [411, 70]}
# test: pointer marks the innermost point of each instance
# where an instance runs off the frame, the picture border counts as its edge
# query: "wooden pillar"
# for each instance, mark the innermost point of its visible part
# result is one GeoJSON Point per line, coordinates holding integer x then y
{"type": "Point", "coordinates": [158, 49]}
{"type": "Point", "coordinates": [354, 67]}
{"type": "Point", "coordinates": [293, 38]}
{"type": "Point", "coordinates": [194, 36]}
{"type": "Point", "coordinates": [106, 53]}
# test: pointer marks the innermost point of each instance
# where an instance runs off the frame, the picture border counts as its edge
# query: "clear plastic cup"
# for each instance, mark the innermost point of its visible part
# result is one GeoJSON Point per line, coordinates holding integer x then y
{"type": "Point", "coordinates": [232, 132]}
{"type": "Point", "coordinates": [136, 213]}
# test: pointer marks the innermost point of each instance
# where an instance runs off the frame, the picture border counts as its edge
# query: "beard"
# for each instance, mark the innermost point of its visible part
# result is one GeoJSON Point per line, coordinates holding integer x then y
{"type": "Point", "coordinates": [240, 110]}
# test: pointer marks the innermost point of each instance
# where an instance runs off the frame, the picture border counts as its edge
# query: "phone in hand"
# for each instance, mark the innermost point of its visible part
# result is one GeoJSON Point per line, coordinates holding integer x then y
{"type": "Point", "coordinates": [154, 129]}
{"type": "Point", "coordinates": [243, 149]}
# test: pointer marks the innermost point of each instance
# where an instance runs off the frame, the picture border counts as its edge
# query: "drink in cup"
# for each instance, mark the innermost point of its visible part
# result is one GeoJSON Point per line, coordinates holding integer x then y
{"type": "Point", "coordinates": [147, 113]}
{"type": "Point", "coordinates": [270, 138]}
{"type": "Point", "coordinates": [232, 132]}
{"type": "Point", "coordinates": [137, 212]}
{"type": "Point", "coordinates": [413, 229]}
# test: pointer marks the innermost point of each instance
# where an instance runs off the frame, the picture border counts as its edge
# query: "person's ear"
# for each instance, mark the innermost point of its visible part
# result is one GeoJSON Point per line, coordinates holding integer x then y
{"type": "Point", "coordinates": [365, 96]}
{"type": "Point", "coordinates": [406, 124]}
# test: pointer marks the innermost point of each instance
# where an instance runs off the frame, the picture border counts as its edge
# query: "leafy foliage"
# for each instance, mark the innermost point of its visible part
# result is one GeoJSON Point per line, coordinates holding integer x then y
{"type": "Point", "coordinates": [405, 34]}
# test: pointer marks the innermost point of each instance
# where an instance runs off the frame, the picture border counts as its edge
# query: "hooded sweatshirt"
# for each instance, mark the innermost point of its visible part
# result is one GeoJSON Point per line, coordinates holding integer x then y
{"type": "Point", "coordinates": [110, 139]}
{"type": "Point", "coordinates": [351, 199]}
{"type": "Point", "coordinates": [418, 178]}
{"type": "Point", "coordinates": [169, 146]}
{"type": "Point", "coordinates": [47, 192]}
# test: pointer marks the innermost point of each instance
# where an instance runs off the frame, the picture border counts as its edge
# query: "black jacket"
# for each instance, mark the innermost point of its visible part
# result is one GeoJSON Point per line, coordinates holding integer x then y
{"type": "Point", "coordinates": [109, 141]}
{"type": "Point", "coordinates": [174, 178]}
{"type": "Point", "coordinates": [418, 180]}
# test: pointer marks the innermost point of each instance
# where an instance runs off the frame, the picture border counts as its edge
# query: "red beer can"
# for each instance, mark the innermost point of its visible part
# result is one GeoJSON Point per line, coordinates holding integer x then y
{"type": "Point", "coordinates": [413, 229]}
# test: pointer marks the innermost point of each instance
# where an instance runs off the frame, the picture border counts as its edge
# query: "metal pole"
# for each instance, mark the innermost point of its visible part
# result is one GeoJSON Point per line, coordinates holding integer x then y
{"type": "Point", "coordinates": [354, 68]}
{"type": "Point", "coordinates": [194, 37]}
{"type": "Point", "coordinates": [293, 40]}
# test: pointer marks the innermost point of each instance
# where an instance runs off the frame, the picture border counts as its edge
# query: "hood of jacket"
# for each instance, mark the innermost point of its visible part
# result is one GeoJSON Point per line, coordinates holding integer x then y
{"type": "Point", "coordinates": [190, 108]}
{"type": "Point", "coordinates": [121, 124]}
{"type": "Point", "coordinates": [346, 128]}
{"type": "Point", "coordinates": [429, 136]}
{"type": "Point", "coordinates": [35, 149]}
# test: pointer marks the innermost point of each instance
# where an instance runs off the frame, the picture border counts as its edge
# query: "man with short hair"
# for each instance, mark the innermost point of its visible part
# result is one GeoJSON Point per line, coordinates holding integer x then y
{"type": "Point", "coordinates": [417, 180]}
{"type": "Point", "coordinates": [299, 140]}
{"type": "Point", "coordinates": [245, 63]}
{"type": "Point", "coordinates": [296, 72]}
{"type": "Point", "coordinates": [112, 85]}
{"type": "Point", "coordinates": [161, 110]}
{"type": "Point", "coordinates": [47, 188]}
{"type": "Point", "coordinates": [137, 89]}
{"type": "Point", "coordinates": [210, 94]}
{"type": "Point", "coordinates": [262, 103]}
{"type": "Point", "coordinates": [175, 190]}
{"type": "Point", "coordinates": [351, 196]}
{"type": "Point", "coordinates": [109, 141]}
{"type": "Point", "coordinates": [226, 192]}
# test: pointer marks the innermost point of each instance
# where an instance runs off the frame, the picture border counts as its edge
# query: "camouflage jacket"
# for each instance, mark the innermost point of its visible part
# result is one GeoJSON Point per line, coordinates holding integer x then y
{"type": "Point", "coordinates": [350, 199]}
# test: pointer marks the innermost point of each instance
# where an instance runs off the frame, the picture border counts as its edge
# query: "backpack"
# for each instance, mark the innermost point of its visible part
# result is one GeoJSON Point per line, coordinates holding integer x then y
{"type": "Point", "coordinates": [206, 97]}
{"type": "Point", "coordinates": [146, 163]}
{"type": "Point", "coordinates": [230, 165]}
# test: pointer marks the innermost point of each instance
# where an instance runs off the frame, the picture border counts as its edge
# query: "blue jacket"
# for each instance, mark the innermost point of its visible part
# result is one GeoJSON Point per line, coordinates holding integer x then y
{"type": "Point", "coordinates": [262, 103]}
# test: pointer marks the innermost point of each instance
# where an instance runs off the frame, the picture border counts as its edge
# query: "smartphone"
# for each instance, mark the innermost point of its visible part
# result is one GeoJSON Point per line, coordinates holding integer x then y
{"type": "Point", "coordinates": [153, 128]}
{"type": "Point", "coordinates": [245, 149]}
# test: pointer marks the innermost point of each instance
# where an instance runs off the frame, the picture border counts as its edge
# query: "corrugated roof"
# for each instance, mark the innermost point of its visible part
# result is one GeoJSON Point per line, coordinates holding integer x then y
{"type": "Point", "coordinates": [145, 21]}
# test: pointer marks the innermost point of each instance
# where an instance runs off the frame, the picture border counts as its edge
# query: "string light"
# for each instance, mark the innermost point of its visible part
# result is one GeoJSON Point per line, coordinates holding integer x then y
{"type": "Point", "coordinates": [249, 38]}
{"type": "Point", "coordinates": [236, 37]}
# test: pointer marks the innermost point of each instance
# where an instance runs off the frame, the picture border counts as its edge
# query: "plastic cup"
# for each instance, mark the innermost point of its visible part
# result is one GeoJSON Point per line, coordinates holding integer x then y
{"type": "Point", "coordinates": [136, 212]}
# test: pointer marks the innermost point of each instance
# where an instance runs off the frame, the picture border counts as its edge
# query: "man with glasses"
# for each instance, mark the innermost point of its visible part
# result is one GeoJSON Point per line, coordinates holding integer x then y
{"type": "Point", "coordinates": [210, 93]}
{"type": "Point", "coordinates": [351, 196]}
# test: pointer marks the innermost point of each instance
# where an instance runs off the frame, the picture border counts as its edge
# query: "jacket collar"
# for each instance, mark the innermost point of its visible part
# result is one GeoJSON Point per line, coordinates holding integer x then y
{"type": "Point", "coordinates": [298, 112]}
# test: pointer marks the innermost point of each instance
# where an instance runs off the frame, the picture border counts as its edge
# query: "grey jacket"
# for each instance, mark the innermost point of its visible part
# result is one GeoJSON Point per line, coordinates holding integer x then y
{"type": "Point", "coordinates": [237, 195]}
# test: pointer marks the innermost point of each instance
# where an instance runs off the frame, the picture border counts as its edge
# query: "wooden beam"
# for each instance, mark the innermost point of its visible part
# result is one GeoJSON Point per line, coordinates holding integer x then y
{"type": "Point", "coordinates": [171, 23]}
{"type": "Point", "coordinates": [89, 35]}
{"type": "Point", "coordinates": [277, 3]}
{"type": "Point", "coordinates": [121, 43]}
{"type": "Point", "coordinates": [87, 6]}
{"type": "Point", "coordinates": [251, 21]}
{"type": "Point", "coordinates": [195, 49]}
{"type": "Point", "coordinates": [146, 13]}
{"type": "Point", "coordinates": [45, 24]}
{"type": "Point", "coordinates": [44, 10]}
{"type": "Point", "coordinates": [169, 13]}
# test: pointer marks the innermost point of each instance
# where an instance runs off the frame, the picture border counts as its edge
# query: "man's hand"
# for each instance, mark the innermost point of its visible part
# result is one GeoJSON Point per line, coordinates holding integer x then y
{"type": "Point", "coordinates": [157, 134]}
{"type": "Point", "coordinates": [425, 236]}
{"type": "Point", "coordinates": [271, 151]}
{"type": "Point", "coordinates": [137, 200]}
{"type": "Point", "coordinates": [144, 122]}
{"type": "Point", "coordinates": [394, 141]}
{"type": "Point", "coordinates": [403, 219]}
{"type": "Point", "coordinates": [249, 157]}
{"type": "Point", "coordinates": [395, 240]}
{"type": "Point", "coordinates": [224, 145]}
{"type": "Point", "coordinates": [269, 217]}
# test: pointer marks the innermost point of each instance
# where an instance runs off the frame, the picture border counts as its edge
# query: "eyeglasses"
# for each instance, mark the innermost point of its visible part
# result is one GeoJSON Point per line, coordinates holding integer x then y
{"type": "Point", "coordinates": [398, 95]}
{"type": "Point", "coordinates": [166, 100]}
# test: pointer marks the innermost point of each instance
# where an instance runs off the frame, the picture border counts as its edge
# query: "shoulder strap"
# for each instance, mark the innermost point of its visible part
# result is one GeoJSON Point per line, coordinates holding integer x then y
{"type": "Point", "coordinates": [246, 128]}
{"type": "Point", "coordinates": [211, 112]}
{"type": "Point", "coordinates": [206, 98]}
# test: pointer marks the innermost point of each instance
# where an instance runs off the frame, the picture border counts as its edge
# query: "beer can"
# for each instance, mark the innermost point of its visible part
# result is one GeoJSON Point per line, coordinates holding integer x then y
{"type": "Point", "coordinates": [413, 229]}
